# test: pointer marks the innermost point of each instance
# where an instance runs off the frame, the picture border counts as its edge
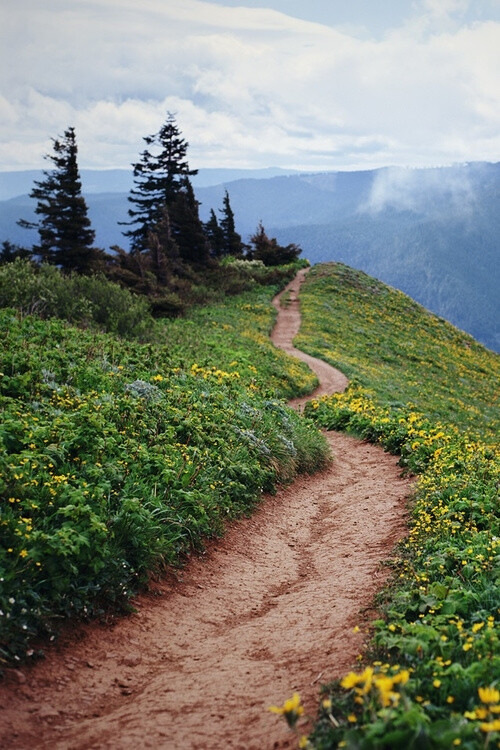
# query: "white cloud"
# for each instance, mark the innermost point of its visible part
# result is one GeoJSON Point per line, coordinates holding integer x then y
{"type": "Point", "coordinates": [251, 87]}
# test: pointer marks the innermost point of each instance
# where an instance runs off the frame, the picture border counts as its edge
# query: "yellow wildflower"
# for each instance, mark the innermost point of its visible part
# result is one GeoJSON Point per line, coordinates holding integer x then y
{"type": "Point", "coordinates": [488, 695]}
{"type": "Point", "coordinates": [490, 726]}
{"type": "Point", "coordinates": [291, 709]}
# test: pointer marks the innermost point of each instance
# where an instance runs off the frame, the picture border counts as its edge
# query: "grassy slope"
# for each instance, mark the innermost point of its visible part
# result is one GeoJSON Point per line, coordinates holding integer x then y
{"type": "Point", "coordinates": [429, 392]}
{"type": "Point", "coordinates": [117, 457]}
{"type": "Point", "coordinates": [387, 342]}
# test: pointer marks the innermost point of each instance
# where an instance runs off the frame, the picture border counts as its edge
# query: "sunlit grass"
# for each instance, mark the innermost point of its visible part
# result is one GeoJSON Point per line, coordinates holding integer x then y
{"type": "Point", "coordinates": [388, 343]}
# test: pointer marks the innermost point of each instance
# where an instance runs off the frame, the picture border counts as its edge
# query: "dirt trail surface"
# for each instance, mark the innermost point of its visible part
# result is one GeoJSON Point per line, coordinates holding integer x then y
{"type": "Point", "coordinates": [268, 610]}
{"type": "Point", "coordinates": [287, 327]}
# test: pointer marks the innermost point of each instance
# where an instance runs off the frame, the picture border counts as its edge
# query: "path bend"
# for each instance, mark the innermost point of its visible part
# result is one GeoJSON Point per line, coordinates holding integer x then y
{"type": "Point", "coordinates": [287, 327]}
{"type": "Point", "coordinates": [268, 610]}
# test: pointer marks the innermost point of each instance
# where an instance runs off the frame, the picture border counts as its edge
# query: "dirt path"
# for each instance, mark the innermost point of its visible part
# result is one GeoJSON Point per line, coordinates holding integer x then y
{"type": "Point", "coordinates": [287, 327]}
{"type": "Point", "coordinates": [268, 610]}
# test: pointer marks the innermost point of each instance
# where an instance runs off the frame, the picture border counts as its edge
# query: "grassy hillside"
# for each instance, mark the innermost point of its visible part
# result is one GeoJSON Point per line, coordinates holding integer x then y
{"type": "Point", "coordinates": [447, 263]}
{"type": "Point", "coordinates": [388, 343]}
{"type": "Point", "coordinates": [431, 678]}
{"type": "Point", "coordinates": [118, 457]}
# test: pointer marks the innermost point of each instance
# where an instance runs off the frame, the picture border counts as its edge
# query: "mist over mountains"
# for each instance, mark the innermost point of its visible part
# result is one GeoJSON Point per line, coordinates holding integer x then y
{"type": "Point", "coordinates": [433, 233]}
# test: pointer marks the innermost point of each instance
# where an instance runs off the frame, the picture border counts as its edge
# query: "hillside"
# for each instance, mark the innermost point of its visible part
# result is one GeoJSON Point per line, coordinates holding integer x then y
{"type": "Point", "coordinates": [433, 233]}
{"type": "Point", "coordinates": [388, 343]}
{"type": "Point", "coordinates": [117, 457]}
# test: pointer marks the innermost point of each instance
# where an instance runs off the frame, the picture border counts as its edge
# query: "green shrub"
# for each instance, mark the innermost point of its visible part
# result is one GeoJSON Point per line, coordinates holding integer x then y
{"type": "Point", "coordinates": [84, 300]}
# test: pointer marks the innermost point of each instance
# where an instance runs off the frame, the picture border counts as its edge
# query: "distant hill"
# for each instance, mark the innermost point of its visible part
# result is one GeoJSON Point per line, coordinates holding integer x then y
{"type": "Point", "coordinates": [433, 233]}
{"type": "Point", "coordinates": [13, 184]}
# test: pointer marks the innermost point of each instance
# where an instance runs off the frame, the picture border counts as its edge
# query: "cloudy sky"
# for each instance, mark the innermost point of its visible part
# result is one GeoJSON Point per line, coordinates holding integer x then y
{"type": "Point", "coordinates": [308, 84]}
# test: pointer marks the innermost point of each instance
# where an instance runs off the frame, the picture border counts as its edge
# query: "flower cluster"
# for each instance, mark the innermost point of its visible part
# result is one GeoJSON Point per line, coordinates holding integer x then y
{"type": "Point", "coordinates": [375, 685]}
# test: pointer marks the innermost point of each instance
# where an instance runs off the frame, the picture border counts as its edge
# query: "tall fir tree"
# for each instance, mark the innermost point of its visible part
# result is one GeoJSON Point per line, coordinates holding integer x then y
{"type": "Point", "coordinates": [159, 177]}
{"type": "Point", "coordinates": [65, 234]}
{"type": "Point", "coordinates": [232, 240]}
{"type": "Point", "coordinates": [187, 228]}
{"type": "Point", "coordinates": [215, 235]}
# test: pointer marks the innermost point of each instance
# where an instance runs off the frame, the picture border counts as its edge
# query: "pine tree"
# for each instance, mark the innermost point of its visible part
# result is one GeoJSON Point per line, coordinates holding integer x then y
{"type": "Point", "coordinates": [232, 240]}
{"type": "Point", "coordinates": [159, 177]}
{"type": "Point", "coordinates": [64, 229]}
{"type": "Point", "coordinates": [187, 228]}
{"type": "Point", "coordinates": [215, 235]}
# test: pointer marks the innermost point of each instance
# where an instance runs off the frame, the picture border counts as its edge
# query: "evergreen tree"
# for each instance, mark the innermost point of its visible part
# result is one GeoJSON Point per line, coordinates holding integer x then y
{"type": "Point", "coordinates": [64, 229]}
{"type": "Point", "coordinates": [232, 240]}
{"type": "Point", "coordinates": [159, 177]}
{"type": "Point", "coordinates": [215, 235]}
{"type": "Point", "coordinates": [163, 250]}
{"type": "Point", "coordinates": [187, 228]}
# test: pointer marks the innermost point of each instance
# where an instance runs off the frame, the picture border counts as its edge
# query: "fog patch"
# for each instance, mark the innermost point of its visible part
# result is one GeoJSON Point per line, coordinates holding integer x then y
{"type": "Point", "coordinates": [422, 191]}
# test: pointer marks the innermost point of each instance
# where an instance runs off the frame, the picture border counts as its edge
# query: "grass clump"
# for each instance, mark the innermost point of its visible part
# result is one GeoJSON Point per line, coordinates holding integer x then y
{"type": "Point", "coordinates": [432, 676]}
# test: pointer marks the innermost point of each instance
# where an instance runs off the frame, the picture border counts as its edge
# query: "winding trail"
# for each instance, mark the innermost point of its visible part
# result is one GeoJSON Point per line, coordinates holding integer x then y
{"type": "Point", "coordinates": [267, 610]}
{"type": "Point", "coordinates": [287, 327]}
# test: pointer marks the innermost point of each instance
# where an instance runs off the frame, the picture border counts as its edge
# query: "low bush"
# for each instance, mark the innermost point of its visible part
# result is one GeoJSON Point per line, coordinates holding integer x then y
{"type": "Point", "coordinates": [84, 300]}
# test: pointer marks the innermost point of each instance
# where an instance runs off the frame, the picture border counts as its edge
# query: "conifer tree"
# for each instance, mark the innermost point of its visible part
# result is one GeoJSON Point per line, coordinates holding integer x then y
{"type": "Point", "coordinates": [187, 228]}
{"type": "Point", "coordinates": [232, 240]}
{"type": "Point", "coordinates": [269, 252]}
{"type": "Point", "coordinates": [159, 177]}
{"type": "Point", "coordinates": [215, 235]}
{"type": "Point", "coordinates": [64, 229]}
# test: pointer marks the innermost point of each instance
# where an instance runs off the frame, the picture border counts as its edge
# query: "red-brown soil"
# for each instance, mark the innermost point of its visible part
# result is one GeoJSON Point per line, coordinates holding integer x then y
{"type": "Point", "coordinates": [266, 611]}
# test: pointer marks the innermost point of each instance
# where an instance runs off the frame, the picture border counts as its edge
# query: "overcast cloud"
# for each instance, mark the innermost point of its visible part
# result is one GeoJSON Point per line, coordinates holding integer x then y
{"type": "Point", "coordinates": [253, 85]}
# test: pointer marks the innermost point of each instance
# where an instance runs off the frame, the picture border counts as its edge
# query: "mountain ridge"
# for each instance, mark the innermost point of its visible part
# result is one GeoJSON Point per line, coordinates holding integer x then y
{"type": "Point", "coordinates": [433, 232]}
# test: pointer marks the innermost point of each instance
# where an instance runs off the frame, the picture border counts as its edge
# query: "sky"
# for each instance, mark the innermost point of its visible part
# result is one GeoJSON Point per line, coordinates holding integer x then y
{"type": "Point", "coordinates": [299, 84]}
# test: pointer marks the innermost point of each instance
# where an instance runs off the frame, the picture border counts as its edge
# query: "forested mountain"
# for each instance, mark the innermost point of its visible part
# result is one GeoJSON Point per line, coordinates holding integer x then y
{"type": "Point", "coordinates": [433, 233]}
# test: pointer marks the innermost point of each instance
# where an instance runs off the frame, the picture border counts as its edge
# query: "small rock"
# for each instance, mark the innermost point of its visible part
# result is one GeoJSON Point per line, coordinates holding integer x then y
{"type": "Point", "coordinates": [47, 712]}
{"type": "Point", "coordinates": [132, 660]}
